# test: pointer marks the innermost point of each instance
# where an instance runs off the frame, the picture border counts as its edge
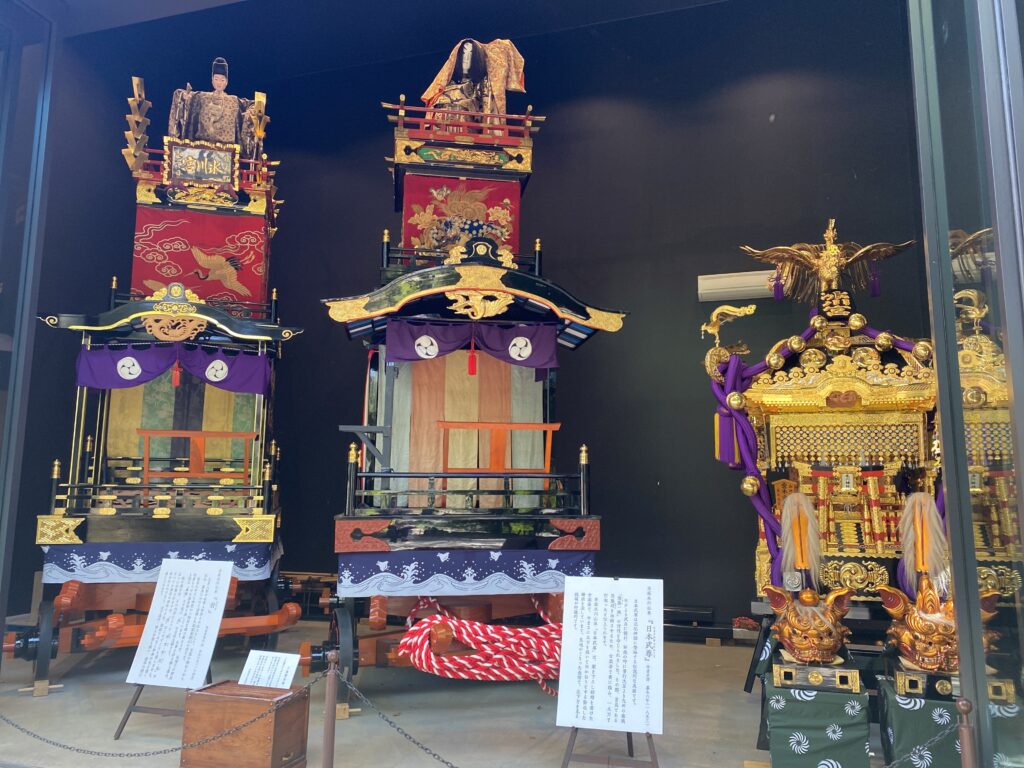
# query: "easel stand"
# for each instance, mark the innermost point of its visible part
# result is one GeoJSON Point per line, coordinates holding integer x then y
{"type": "Point", "coordinates": [626, 762]}
{"type": "Point", "coordinates": [133, 706]}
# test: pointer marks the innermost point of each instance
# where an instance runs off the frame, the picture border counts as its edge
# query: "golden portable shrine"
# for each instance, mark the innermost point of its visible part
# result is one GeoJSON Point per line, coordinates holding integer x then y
{"type": "Point", "coordinates": [834, 431]}
{"type": "Point", "coordinates": [171, 452]}
{"type": "Point", "coordinates": [454, 512]}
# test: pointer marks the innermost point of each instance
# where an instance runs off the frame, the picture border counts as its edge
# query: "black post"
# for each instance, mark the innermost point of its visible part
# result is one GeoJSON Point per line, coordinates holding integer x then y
{"type": "Point", "coordinates": [273, 305]}
{"type": "Point", "coordinates": [350, 493]}
{"type": "Point", "coordinates": [113, 291]}
{"type": "Point", "coordinates": [385, 249]}
{"type": "Point", "coordinates": [584, 480]}
{"type": "Point", "coordinates": [537, 254]}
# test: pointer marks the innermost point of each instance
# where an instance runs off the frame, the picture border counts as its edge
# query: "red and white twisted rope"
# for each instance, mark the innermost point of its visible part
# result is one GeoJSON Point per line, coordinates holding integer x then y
{"type": "Point", "coordinates": [502, 653]}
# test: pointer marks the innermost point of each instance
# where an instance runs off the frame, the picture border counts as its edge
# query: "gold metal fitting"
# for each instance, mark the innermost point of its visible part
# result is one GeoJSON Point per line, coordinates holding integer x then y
{"type": "Point", "coordinates": [775, 361]}
{"type": "Point", "coordinates": [353, 453]}
{"type": "Point", "coordinates": [922, 350]}
{"type": "Point", "coordinates": [273, 294]}
{"type": "Point", "coordinates": [113, 281]}
{"type": "Point", "coordinates": [88, 443]}
{"type": "Point", "coordinates": [857, 321]}
{"type": "Point", "coordinates": [818, 322]}
{"type": "Point", "coordinates": [796, 343]}
{"type": "Point", "coordinates": [273, 447]}
{"type": "Point", "coordinates": [387, 236]}
{"type": "Point", "coordinates": [56, 469]}
{"type": "Point", "coordinates": [584, 454]}
{"type": "Point", "coordinates": [735, 400]}
{"type": "Point", "coordinates": [883, 341]}
{"type": "Point", "coordinates": [750, 485]}
{"type": "Point", "coordinates": [536, 244]}
{"type": "Point", "coordinates": [266, 470]}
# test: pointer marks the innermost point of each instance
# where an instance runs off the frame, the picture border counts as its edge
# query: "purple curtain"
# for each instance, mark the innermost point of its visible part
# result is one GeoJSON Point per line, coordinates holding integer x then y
{"type": "Point", "coordinates": [120, 367]}
{"type": "Point", "coordinates": [129, 366]}
{"type": "Point", "coordinates": [236, 372]}
{"type": "Point", "coordinates": [531, 346]}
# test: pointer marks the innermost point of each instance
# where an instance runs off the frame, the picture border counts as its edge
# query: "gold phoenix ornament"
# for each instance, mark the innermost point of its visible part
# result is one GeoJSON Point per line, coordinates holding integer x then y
{"type": "Point", "coordinates": [808, 270]}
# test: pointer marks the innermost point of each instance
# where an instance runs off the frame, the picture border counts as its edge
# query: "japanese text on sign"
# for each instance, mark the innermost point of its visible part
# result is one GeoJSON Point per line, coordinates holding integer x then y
{"type": "Point", "coordinates": [611, 672]}
{"type": "Point", "coordinates": [181, 628]}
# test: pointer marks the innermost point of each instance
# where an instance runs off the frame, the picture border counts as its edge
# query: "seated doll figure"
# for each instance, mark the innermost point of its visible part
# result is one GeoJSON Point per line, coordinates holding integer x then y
{"type": "Point", "coordinates": [475, 78]}
{"type": "Point", "coordinates": [214, 116]}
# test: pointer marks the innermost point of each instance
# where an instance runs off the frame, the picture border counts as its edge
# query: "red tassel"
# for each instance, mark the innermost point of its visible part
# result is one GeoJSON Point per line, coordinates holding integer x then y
{"type": "Point", "coordinates": [176, 374]}
{"type": "Point", "coordinates": [471, 360]}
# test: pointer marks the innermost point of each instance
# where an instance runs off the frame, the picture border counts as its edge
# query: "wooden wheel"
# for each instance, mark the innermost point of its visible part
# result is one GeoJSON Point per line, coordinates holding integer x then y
{"type": "Point", "coordinates": [344, 637]}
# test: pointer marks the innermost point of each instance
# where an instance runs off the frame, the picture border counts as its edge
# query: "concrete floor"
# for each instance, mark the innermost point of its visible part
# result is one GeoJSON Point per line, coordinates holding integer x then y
{"type": "Point", "coordinates": [709, 721]}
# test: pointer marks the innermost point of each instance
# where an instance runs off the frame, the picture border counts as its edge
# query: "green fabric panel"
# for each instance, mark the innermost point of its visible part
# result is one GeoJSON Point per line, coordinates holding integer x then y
{"type": "Point", "coordinates": [527, 447]}
{"type": "Point", "coordinates": [908, 722]}
{"type": "Point", "coordinates": [243, 414]}
{"type": "Point", "coordinates": [158, 413]}
{"type": "Point", "coordinates": [816, 729]}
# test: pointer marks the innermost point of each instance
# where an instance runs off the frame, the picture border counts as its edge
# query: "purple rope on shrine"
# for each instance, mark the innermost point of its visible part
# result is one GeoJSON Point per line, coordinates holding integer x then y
{"type": "Point", "coordinates": [738, 378]}
{"type": "Point", "coordinates": [906, 346]}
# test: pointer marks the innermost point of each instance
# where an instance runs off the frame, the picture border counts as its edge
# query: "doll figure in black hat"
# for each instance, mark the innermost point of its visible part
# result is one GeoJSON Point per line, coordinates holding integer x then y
{"type": "Point", "coordinates": [212, 115]}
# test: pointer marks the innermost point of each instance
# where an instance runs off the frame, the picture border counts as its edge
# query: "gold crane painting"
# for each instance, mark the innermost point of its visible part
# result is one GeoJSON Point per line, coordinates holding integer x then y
{"type": "Point", "coordinates": [222, 269]}
{"type": "Point", "coordinates": [807, 270]}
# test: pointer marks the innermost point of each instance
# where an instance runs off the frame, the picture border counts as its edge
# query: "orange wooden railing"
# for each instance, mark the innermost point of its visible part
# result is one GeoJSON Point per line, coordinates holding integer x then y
{"type": "Point", "coordinates": [196, 467]}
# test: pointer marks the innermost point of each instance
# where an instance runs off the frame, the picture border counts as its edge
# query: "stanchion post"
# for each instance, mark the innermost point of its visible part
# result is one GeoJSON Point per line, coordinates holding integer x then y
{"type": "Point", "coordinates": [385, 249]}
{"type": "Point", "coordinates": [966, 733]}
{"type": "Point", "coordinates": [330, 706]}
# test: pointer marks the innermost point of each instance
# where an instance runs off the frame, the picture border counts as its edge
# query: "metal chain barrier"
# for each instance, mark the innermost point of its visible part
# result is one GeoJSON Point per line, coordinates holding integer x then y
{"type": "Point", "coordinates": [915, 752]}
{"type": "Point", "coordinates": [359, 695]}
{"type": "Point", "coordinates": [391, 723]}
{"type": "Point", "coordinates": [168, 750]}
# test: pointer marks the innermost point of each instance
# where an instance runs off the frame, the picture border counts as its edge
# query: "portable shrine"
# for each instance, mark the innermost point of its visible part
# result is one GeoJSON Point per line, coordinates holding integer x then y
{"type": "Point", "coordinates": [171, 450]}
{"type": "Point", "coordinates": [455, 513]}
{"type": "Point", "coordinates": [834, 431]}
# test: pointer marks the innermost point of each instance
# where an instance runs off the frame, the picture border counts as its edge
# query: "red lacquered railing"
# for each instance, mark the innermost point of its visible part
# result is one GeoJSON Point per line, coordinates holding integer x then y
{"type": "Point", "coordinates": [457, 125]}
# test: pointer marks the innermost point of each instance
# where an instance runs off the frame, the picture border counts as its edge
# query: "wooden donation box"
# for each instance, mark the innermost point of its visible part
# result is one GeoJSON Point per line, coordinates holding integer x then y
{"type": "Point", "coordinates": [277, 741]}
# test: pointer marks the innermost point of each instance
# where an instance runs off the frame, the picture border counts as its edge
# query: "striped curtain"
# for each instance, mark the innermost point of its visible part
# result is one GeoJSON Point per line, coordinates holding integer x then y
{"type": "Point", "coordinates": [441, 389]}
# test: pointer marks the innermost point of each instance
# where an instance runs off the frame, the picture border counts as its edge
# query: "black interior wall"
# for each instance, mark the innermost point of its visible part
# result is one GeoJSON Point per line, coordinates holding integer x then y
{"type": "Point", "coordinates": [672, 139]}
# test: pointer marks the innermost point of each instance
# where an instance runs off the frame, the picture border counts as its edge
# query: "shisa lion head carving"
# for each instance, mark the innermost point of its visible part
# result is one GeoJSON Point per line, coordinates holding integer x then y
{"type": "Point", "coordinates": [810, 628]}
{"type": "Point", "coordinates": [924, 631]}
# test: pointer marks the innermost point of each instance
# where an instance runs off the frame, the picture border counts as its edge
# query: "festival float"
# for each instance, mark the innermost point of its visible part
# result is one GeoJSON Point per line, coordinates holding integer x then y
{"type": "Point", "coordinates": [171, 448]}
{"type": "Point", "coordinates": [455, 518]}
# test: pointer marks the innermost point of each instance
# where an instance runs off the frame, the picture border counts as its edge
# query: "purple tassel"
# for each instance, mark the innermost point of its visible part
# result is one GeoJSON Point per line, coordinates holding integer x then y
{"type": "Point", "coordinates": [876, 282]}
{"type": "Point", "coordinates": [777, 286]}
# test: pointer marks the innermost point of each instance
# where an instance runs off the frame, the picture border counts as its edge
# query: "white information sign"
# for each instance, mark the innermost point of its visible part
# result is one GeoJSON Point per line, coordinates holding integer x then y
{"type": "Point", "coordinates": [181, 628]}
{"type": "Point", "coordinates": [270, 670]}
{"type": "Point", "coordinates": [611, 675]}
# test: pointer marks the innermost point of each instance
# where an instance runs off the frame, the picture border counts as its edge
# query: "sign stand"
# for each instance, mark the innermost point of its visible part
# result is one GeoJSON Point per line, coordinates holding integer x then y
{"type": "Point", "coordinates": [165, 711]}
{"type": "Point", "coordinates": [629, 762]}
